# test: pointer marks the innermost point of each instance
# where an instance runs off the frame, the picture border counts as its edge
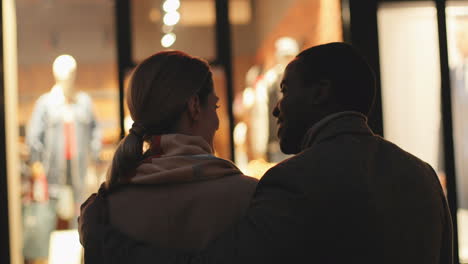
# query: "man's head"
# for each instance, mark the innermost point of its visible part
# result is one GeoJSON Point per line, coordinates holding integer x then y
{"type": "Point", "coordinates": [320, 81]}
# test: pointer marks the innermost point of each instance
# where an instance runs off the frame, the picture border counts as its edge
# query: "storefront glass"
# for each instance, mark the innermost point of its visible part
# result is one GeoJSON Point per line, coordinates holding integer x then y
{"type": "Point", "coordinates": [275, 32]}
{"type": "Point", "coordinates": [410, 73]}
{"type": "Point", "coordinates": [67, 118]}
{"type": "Point", "coordinates": [457, 35]}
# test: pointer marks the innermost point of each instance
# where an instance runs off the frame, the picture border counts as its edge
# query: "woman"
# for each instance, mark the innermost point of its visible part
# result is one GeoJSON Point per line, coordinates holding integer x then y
{"type": "Point", "coordinates": [165, 185]}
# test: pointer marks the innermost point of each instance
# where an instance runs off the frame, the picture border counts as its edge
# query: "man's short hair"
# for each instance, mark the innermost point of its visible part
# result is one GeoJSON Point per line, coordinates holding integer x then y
{"type": "Point", "coordinates": [352, 79]}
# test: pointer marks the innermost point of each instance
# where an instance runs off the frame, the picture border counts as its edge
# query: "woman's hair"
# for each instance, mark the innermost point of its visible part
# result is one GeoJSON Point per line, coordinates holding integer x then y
{"type": "Point", "coordinates": [157, 95]}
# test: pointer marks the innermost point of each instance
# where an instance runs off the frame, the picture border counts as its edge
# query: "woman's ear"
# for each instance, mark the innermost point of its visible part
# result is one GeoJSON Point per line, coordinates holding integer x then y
{"type": "Point", "coordinates": [194, 108]}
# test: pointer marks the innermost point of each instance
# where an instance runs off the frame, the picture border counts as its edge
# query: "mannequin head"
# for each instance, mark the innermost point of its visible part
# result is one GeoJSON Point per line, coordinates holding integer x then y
{"type": "Point", "coordinates": [286, 48]}
{"type": "Point", "coordinates": [64, 69]}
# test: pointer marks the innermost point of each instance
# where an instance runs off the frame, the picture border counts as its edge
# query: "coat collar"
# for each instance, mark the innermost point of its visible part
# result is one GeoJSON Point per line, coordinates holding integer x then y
{"type": "Point", "coordinates": [348, 122]}
{"type": "Point", "coordinates": [178, 158]}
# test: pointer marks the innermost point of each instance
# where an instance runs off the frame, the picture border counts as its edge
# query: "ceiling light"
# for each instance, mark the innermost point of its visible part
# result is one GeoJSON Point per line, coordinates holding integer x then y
{"type": "Point", "coordinates": [171, 18]}
{"type": "Point", "coordinates": [171, 5]}
{"type": "Point", "coordinates": [168, 40]}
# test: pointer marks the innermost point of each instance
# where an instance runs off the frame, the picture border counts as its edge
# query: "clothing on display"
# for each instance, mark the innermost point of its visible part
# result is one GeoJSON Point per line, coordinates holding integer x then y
{"type": "Point", "coordinates": [268, 92]}
{"type": "Point", "coordinates": [39, 217]}
{"type": "Point", "coordinates": [64, 147]}
{"type": "Point", "coordinates": [62, 137]}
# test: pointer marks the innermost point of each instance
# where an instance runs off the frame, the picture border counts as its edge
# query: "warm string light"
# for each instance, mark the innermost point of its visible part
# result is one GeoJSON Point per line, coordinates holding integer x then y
{"type": "Point", "coordinates": [170, 19]}
{"type": "Point", "coordinates": [168, 40]}
{"type": "Point", "coordinates": [171, 6]}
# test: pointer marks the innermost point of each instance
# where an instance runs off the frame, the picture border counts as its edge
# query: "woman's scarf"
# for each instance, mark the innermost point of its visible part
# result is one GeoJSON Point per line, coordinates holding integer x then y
{"type": "Point", "coordinates": [178, 158]}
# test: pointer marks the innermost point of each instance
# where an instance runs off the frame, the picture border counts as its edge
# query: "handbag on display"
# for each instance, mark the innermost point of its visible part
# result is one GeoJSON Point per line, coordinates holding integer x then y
{"type": "Point", "coordinates": [39, 217]}
{"type": "Point", "coordinates": [65, 203]}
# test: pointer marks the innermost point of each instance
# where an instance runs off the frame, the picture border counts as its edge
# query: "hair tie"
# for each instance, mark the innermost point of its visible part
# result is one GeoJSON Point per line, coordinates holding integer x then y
{"type": "Point", "coordinates": [138, 130]}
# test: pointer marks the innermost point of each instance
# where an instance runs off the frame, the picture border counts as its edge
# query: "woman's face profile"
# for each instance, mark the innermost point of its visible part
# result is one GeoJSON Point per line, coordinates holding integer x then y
{"type": "Point", "coordinates": [209, 121]}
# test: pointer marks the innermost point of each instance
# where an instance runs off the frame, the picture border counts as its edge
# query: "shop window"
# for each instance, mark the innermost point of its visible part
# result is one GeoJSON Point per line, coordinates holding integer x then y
{"type": "Point", "coordinates": [410, 72]}
{"type": "Point", "coordinates": [457, 35]}
{"type": "Point", "coordinates": [276, 31]}
{"type": "Point", "coordinates": [67, 118]}
{"type": "Point", "coordinates": [411, 90]}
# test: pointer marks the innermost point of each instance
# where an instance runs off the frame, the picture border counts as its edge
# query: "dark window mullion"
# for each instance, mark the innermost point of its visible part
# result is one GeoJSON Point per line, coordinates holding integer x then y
{"type": "Point", "coordinates": [224, 58]}
{"type": "Point", "coordinates": [447, 119]}
{"type": "Point", "coordinates": [124, 52]}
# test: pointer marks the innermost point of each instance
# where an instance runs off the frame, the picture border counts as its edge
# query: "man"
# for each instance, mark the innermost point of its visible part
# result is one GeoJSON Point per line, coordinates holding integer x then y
{"type": "Point", "coordinates": [347, 196]}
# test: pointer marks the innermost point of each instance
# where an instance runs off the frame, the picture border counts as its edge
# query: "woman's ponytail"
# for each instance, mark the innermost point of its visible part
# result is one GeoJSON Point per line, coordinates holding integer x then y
{"type": "Point", "coordinates": [127, 156]}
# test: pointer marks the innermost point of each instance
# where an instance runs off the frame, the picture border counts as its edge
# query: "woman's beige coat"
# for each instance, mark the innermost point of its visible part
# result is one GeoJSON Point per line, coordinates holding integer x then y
{"type": "Point", "coordinates": [182, 197]}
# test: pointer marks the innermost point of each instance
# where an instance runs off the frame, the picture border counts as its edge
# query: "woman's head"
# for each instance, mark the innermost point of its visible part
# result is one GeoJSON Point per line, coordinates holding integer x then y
{"type": "Point", "coordinates": [162, 86]}
{"type": "Point", "coordinates": [169, 92]}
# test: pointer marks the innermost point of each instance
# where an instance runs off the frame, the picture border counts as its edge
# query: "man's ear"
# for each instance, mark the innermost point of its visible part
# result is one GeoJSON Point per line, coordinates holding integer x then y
{"type": "Point", "coordinates": [322, 91]}
{"type": "Point", "coordinates": [194, 108]}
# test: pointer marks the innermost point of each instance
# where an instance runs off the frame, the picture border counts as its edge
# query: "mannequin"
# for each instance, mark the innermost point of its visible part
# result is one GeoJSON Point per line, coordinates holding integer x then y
{"type": "Point", "coordinates": [268, 91]}
{"type": "Point", "coordinates": [255, 100]}
{"type": "Point", "coordinates": [63, 137]}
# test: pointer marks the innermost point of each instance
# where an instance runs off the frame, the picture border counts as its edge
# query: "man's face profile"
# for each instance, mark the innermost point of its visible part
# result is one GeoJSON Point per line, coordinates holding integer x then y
{"type": "Point", "coordinates": [294, 110]}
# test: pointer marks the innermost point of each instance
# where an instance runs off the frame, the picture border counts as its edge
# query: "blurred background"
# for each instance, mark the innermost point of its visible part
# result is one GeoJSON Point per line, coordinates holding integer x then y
{"type": "Point", "coordinates": [418, 49]}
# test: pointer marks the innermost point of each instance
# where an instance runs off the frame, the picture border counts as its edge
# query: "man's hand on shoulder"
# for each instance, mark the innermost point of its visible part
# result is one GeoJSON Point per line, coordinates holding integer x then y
{"type": "Point", "coordinates": [92, 217]}
{"type": "Point", "coordinates": [93, 225]}
{"type": "Point", "coordinates": [105, 244]}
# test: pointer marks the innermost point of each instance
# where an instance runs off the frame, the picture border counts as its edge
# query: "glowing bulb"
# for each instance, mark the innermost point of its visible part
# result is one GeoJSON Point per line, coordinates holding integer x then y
{"type": "Point", "coordinates": [168, 40]}
{"type": "Point", "coordinates": [248, 97]}
{"type": "Point", "coordinates": [261, 91]}
{"type": "Point", "coordinates": [270, 76]}
{"type": "Point", "coordinates": [171, 18]}
{"type": "Point", "coordinates": [171, 5]}
{"type": "Point", "coordinates": [128, 122]}
{"type": "Point", "coordinates": [240, 133]}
